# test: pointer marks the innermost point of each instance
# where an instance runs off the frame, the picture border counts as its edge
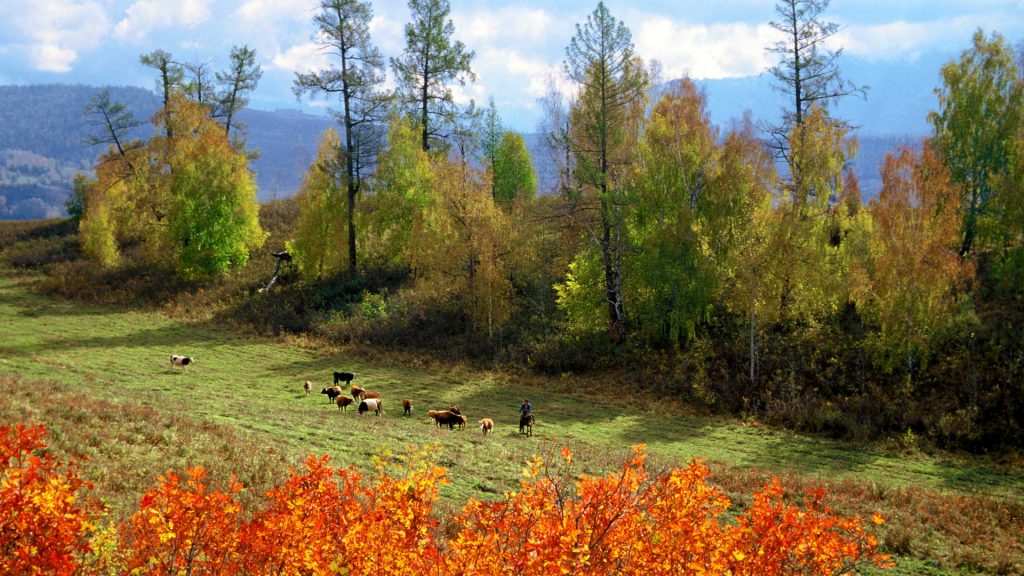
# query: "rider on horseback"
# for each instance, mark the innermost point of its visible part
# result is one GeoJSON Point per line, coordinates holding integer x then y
{"type": "Point", "coordinates": [526, 418]}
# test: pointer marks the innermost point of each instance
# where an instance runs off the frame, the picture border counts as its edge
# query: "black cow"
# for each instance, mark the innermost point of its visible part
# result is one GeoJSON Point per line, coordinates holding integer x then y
{"type": "Point", "coordinates": [345, 377]}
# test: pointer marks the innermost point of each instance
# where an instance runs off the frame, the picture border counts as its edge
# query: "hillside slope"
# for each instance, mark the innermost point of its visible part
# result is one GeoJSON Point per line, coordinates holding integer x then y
{"type": "Point", "coordinates": [43, 134]}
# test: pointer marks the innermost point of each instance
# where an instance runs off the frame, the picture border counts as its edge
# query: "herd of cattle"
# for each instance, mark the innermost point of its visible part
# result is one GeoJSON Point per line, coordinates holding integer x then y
{"type": "Point", "coordinates": [370, 401]}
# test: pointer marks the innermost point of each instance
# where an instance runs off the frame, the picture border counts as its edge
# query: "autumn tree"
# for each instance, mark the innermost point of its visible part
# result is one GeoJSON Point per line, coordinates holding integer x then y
{"type": "Point", "coordinates": [512, 171]}
{"type": "Point", "coordinates": [603, 128]}
{"type": "Point", "coordinates": [980, 112]}
{"type": "Point", "coordinates": [430, 63]}
{"type": "Point", "coordinates": [213, 220]}
{"type": "Point", "coordinates": [343, 31]}
{"type": "Point", "coordinates": [318, 247]}
{"type": "Point", "coordinates": [460, 247]}
{"type": "Point", "coordinates": [810, 230]}
{"type": "Point", "coordinates": [808, 69]}
{"type": "Point", "coordinates": [401, 197]}
{"type": "Point", "coordinates": [240, 78]}
{"type": "Point", "coordinates": [911, 284]}
{"type": "Point", "coordinates": [694, 197]}
{"type": "Point", "coordinates": [200, 217]}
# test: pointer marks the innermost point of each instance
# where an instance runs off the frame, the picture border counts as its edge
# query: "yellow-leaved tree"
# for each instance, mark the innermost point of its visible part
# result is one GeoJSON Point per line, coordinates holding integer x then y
{"type": "Point", "coordinates": [401, 194]}
{"type": "Point", "coordinates": [189, 198]}
{"type": "Point", "coordinates": [460, 247]}
{"type": "Point", "coordinates": [319, 245]}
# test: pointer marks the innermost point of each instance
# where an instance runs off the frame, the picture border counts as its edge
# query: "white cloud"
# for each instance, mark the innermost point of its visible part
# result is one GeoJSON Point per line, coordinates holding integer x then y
{"type": "Point", "coordinates": [716, 51]}
{"type": "Point", "coordinates": [55, 31]}
{"type": "Point", "coordinates": [276, 10]}
{"type": "Point", "coordinates": [387, 34]}
{"type": "Point", "coordinates": [300, 58]}
{"type": "Point", "coordinates": [52, 58]}
{"type": "Point", "coordinates": [145, 15]}
{"type": "Point", "coordinates": [901, 40]}
{"type": "Point", "coordinates": [509, 24]}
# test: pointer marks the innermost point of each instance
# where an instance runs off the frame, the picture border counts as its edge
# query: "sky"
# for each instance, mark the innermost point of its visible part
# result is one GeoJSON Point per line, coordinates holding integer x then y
{"type": "Point", "coordinates": [518, 45]}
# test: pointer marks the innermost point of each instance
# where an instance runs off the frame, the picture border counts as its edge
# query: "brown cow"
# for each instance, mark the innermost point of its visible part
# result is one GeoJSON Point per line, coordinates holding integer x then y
{"type": "Point", "coordinates": [445, 417]}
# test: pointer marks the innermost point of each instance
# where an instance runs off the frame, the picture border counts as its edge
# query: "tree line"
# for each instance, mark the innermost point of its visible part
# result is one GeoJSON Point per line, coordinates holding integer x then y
{"type": "Point", "coordinates": [666, 234]}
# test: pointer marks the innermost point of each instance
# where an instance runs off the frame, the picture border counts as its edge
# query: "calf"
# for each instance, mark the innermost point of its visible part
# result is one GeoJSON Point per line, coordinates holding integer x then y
{"type": "Point", "coordinates": [182, 362]}
{"type": "Point", "coordinates": [343, 402]}
{"type": "Point", "coordinates": [371, 404]}
{"type": "Point", "coordinates": [486, 425]}
{"type": "Point", "coordinates": [357, 392]}
{"type": "Point", "coordinates": [407, 407]}
{"type": "Point", "coordinates": [368, 394]}
{"type": "Point", "coordinates": [308, 387]}
{"type": "Point", "coordinates": [345, 377]}
{"type": "Point", "coordinates": [332, 392]}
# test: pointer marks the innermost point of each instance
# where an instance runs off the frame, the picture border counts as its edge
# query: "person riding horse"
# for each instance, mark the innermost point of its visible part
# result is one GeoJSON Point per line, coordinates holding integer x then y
{"type": "Point", "coordinates": [526, 417]}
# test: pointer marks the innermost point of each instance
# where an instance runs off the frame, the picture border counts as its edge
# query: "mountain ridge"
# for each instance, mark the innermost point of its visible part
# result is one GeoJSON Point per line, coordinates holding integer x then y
{"type": "Point", "coordinates": [43, 132]}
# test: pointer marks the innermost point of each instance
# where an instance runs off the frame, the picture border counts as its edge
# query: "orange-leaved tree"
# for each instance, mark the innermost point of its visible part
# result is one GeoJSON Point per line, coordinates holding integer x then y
{"type": "Point", "coordinates": [323, 521]}
{"type": "Point", "coordinates": [44, 525]}
{"type": "Point", "coordinates": [630, 523]}
{"type": "Point", "coordinates": [184, 527]}
{"type": "Point", "coordinates": [775, 537]}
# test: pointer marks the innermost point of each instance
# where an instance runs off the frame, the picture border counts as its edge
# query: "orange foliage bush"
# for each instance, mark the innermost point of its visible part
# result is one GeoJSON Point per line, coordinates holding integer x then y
{"type": "Point", "coordinates": [630, 523]}
{"type": "Point", "coordinates": [183, 528]}
{"type": "Point", "coordinates": [319, 524]}
{"type": "Point", "coordinates": [44, 528]}
{"type": "Point", "coordinates": [324, 520]}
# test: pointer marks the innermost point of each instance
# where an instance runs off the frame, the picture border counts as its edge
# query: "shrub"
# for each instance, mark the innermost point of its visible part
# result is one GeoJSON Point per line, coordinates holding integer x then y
{"type": "Point", "coordinates": [324, 521]}
{"type": "Point", "coordinates": [44, 527]}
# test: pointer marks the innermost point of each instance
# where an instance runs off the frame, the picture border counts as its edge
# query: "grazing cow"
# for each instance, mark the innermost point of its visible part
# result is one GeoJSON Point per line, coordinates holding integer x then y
{"type": "Point", "coordinates": [357, 392]}
{"type": "Point", "coordinates": [308, 387]}
{"type": "Point", "coordinates": [332, 392]}
{"type": "Point", "coordinates": [446, 418]}
{"type": "Point", "coordinates": [407, 407]}
{"type": "Point", "coordinates": [371, 404]}
{"type": "Point", "coordinates": [345, 377]}
{"type": "Point", "coordinates": [487, 425]}
{"type": "Point", "coordinates": [181, 361]}
{"type": "Point", "coordinates": [526, 424]}
{"type": "Point", "coordinates": [343, 402]}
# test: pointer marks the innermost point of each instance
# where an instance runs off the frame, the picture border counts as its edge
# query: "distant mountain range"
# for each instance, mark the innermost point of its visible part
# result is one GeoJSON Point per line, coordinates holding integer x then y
{"type": "Point", "coordinates": [43, 133]}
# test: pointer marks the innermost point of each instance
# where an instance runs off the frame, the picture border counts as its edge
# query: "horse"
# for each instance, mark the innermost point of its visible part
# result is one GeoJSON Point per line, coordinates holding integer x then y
{"type": "Point", "coordinates": [526, 423]}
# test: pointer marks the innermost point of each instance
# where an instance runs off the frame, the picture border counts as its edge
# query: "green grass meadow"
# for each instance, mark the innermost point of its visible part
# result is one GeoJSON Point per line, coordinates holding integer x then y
{"type": "Point", "coordinates": [101, 380]}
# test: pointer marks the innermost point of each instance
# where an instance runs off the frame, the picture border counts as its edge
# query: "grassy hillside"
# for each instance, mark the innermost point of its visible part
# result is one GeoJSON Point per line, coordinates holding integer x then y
{"type": "Point", "coordinates": [101, 380]}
